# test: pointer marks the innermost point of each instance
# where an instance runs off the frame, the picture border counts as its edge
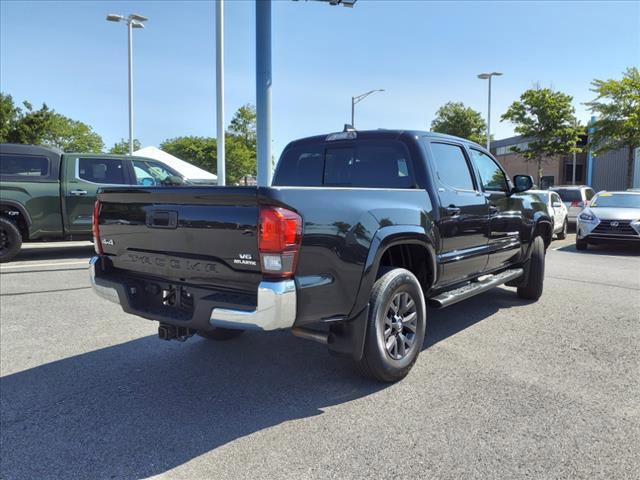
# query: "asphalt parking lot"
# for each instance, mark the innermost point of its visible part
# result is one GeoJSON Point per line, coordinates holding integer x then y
{"type": "Point", "coordinates": [502, 389]}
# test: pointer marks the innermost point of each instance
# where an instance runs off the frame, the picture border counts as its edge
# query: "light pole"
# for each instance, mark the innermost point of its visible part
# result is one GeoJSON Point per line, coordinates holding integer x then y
{"type": "Point", "coordinates": [133, 21]}
{"type": "Point", "coordinates": [221, 165]}
{"type": "Point", "coordinates": [263, 86]}
{"type": "Point", "coordinates": [487, 76]}
{"type": "Point", "coordinates": [358, 99]}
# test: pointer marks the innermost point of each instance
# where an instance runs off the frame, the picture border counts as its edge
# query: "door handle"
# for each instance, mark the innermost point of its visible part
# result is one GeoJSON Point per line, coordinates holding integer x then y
{"type": "Point", "coordinates": [78, 193]}
{"type": "Point", "coordinates": [493, 210]}
{"type": "Point", "coordinates": [453, 211]}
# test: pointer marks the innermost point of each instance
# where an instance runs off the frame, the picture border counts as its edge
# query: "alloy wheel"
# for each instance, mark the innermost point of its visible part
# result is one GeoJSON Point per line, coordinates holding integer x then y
{"type": "Point", "coordinates": [400, 325]}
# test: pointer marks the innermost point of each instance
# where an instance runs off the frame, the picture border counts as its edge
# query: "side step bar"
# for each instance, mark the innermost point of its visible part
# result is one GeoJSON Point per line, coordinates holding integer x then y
{"type": "Point", "coordinates": [483, 284]}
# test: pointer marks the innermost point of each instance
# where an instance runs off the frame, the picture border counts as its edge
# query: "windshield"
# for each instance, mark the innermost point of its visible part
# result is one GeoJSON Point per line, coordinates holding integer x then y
{"type": "Point", "coordinates": [569, 194]}
{"type": "Point", "coordinates": [618, 200]}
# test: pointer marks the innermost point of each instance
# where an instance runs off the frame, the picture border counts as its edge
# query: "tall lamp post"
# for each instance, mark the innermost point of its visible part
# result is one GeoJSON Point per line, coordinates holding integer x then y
{"type": "Point", "coordinates": [487, 76]}
{"type": "Point", "coordinates": [133, 21]}
{"type": "Point", "coordinates": [263, 86]}
{"type": "Point", "coordinates": [358, 99]}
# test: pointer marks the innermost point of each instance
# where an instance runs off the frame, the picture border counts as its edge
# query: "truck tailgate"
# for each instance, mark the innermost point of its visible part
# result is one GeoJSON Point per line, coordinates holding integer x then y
{"type": "Point", "coordinates": [203, 235]}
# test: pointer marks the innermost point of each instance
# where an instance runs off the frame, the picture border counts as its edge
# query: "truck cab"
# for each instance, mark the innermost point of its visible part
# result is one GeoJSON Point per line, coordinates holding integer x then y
{"type": "Point", "coordinates": [48, 194]}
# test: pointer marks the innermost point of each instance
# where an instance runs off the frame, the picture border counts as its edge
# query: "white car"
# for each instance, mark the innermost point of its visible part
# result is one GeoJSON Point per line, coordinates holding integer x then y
{"type": "Point", "coordinates": [575, 198]}
{"type": "Point", "coordinates": [612, 217]}
{"type": "Point", "coordinates": [557, 211]}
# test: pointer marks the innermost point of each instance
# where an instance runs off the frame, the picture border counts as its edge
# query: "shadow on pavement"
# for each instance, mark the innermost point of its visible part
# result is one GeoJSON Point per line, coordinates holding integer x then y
{"type": "Point", "coordinates": [143, 407]}
{"type": "Point", "coordinates": [607, 249]}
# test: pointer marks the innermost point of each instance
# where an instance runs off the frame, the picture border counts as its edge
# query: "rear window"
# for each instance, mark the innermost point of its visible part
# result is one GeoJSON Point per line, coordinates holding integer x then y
{"type": "Point", "coordinates": [569, 195]}
{"type": "Point", "coordinates": [365, 165]}
{"type": "Point", "coordinates": [28, 166]}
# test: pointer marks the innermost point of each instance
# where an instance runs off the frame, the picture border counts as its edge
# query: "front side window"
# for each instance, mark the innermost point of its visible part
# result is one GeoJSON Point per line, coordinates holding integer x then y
{"type": "Point", "coordinates": [150, 173]}
{"type": "Point", "coordinates": [28, 166]}
{"type": "Point", "coordinates": [451, 166]}
{"type": "Point", "coordinates": [492, 176]}
{"type": "Point", "coordinates": [107, 171]}
{"type": "Point", "coordinates": [589, 194]}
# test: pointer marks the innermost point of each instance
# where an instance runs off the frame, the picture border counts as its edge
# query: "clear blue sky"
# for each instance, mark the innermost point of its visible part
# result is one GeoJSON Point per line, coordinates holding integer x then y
{"type": "Point", "coordinates": [423, 53]}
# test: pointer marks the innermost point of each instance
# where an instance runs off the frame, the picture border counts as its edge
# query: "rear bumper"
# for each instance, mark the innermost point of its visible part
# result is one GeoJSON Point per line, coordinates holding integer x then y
{"type": "Point", "coordinates": [275, 307]}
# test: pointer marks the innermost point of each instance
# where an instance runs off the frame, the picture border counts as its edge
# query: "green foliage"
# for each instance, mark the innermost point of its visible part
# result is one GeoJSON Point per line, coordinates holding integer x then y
{"type": "Point", "coordinates": [617, 107]}
{"type": "Point", "coordinates": [454, 118]}
{"type": "Point", "coordinates": [8, 116]}
{"type": "Point", "coordinates": [548, 119]}
{"type": "Point", "coordinates": [46, 127]}
{"type": "Point", "coordinates": [122, 147]}
{"type": "Point", "coordinates": [240, 147]}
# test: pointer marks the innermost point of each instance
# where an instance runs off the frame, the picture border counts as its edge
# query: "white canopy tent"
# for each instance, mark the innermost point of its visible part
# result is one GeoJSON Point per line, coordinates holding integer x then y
{"type": "Point", "coordinates": [187, 170]}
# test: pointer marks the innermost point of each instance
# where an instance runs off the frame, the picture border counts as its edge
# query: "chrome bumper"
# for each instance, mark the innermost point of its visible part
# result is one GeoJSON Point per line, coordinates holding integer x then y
{"type": "Point", "coordinates": [275, 309]}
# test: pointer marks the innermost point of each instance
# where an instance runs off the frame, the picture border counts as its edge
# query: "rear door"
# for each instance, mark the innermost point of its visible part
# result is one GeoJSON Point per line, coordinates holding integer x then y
{"type": "Point", "coordinates": [83, 176]}
{"type": "Point", "coordinates": [463, 216]}
{"type": "Point", "coordinates": [505, 211]}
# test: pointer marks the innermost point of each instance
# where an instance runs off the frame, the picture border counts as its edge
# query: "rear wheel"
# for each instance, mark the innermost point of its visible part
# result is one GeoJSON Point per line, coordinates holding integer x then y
{"type": "Point", "coordinates": [532, 290]}
{"type": "Point", "coordinates": [562, 234]}
{"type": "Point", "coordinates": [221, 334]}
{"type": "Point", "coordinates": [395, 327]}
{"type": "Point", "coordinates": [10, 240]}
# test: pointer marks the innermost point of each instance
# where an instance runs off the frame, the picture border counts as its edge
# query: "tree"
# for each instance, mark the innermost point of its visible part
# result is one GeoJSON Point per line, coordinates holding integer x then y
{"type": "Point", "coordinates": [547, 119]}
{"type": "Point", "coordinates": [617, 107]}
{"type": "Point", "coordinates": [200, 151]}
{"type": "Point", "coordinates": [9, 114]}
{"type": "Point", "coordinates": [240, 147]}
{"type": "Point", "coordinates": [454, 118]}
{"type": "Point", "coordinates": [122, 147]}
{"type": "Point", "coordinates": [46, 127]}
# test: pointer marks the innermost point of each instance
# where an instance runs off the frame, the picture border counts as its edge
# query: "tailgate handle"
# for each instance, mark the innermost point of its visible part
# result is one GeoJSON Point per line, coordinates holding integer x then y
{"type": "Point", "coordinates": [162, 219]}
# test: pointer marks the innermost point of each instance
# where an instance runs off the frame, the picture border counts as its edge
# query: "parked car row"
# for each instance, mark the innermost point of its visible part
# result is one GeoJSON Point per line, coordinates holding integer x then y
{"type": "Point", "coordinates": [46, 194]}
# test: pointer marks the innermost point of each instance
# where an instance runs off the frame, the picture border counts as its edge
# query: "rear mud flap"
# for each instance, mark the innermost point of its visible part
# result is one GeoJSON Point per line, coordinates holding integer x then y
{"type": "Point", "coordinates": [347, 338]}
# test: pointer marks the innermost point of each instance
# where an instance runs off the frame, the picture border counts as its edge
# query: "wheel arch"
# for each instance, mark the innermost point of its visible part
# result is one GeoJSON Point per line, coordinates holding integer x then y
{"type": "Point", "coordinates": [23, 220]}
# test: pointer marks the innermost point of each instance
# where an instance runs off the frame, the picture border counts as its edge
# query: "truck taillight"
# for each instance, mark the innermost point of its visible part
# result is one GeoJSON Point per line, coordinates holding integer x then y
{"type": "Point", "coordinates": [95, 228]}
{"type": "Point", "coordinates": [279, 237]}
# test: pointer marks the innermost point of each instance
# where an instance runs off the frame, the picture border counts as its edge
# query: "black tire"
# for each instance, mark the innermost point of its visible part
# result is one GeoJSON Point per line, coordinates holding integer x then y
{"type": "Point", "coordinates": [10, 240]}
{"type": "Point", "coordinates": [395, 297]}
{"type": "Point", "coordinates": [221, 334]}
{"type": "Point", "coordinates": [562, 234]}
{"type": "Point", "coordinates": [581, 244]}
{"type": "Point", "coordinates": [532, 290]}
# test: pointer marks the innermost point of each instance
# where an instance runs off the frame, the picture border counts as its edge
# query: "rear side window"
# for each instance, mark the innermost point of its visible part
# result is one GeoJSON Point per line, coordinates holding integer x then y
{"type": "Point", "coordinates": [452, 167]}
{"type": "Point", "coordinates": [569, 195]}
{"type": "Point", "coordinates": [28, 166]}
{"type": "Point", "coordinates": [107, 171]}
{"type": "Point", "coordinates": [589, 193]}
{"type": "Point", "coordinates": [369, 164]}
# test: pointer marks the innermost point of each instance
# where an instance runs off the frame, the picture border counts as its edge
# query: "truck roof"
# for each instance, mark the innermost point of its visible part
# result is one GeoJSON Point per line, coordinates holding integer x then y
{"type": "Point", "coordinates": [382, 133]}
{"type": "Point", "coordinates": [29, 149]}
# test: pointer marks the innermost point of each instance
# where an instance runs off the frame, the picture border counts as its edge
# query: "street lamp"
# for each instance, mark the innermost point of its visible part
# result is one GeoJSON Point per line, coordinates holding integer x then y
{"type": "Point", "coordinates": [133, 21]}
{"type": "Point", "coordinates": [358, 99]}
{"type": "Point", "coordinates": [264, 84]}
{"type": "Point", "coordinates": [487, 76]}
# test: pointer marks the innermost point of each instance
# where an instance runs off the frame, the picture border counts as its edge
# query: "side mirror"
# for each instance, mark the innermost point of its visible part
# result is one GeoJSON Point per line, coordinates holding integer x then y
{"type": "Point", "coordinates": [557, 205]}
{"type": "Point", "coordinates": [522, 183]}
{"type": "Point", "coordinates": [173, 180]}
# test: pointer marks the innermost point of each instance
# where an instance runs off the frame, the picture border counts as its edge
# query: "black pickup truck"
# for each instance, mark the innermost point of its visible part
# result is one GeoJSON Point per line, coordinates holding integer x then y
{"type": "Point", "coordinates": [357, 234]}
